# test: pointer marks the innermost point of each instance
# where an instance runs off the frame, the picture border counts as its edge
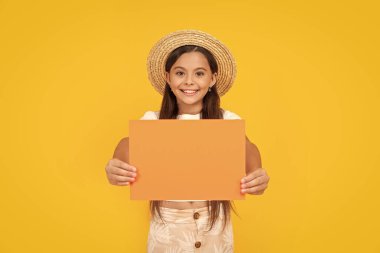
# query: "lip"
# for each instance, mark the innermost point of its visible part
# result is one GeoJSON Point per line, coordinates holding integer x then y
{"type": "Point", "coordinates": [190, 93]}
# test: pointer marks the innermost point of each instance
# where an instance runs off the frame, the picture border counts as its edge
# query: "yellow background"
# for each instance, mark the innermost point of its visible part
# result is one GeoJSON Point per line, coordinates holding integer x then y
{"type": "Point", "coordinates": [73, 73]}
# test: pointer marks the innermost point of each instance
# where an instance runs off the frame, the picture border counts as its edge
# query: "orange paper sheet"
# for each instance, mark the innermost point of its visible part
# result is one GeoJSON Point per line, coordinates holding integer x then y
{"type": "Point", "coordinates": [187, 159]}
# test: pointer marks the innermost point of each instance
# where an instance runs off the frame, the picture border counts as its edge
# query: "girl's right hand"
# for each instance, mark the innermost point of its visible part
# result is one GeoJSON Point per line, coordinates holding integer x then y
{"type": "Point", "coordinates": [120, 173]}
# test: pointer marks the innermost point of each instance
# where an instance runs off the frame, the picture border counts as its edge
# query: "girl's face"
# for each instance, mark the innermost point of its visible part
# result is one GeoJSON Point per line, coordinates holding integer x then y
{"type": "Point", "coordinates": [190, 78]}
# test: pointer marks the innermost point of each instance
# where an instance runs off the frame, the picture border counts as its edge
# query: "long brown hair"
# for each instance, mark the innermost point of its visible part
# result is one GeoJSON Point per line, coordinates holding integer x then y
{"type": "Point", "coordinates": [210, 110]}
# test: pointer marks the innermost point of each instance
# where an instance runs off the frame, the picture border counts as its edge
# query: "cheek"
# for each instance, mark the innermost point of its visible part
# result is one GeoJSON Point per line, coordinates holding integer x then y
{"type": "Point", "coordinates": [205, 83]}
{"type": "Point", "coordinates": [175, 81]}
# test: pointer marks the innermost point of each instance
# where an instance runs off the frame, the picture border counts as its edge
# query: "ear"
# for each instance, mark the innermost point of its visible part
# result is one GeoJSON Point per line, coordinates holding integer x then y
{"type": "Point", "coordinates": [213, 79]}
{"type": "Point", "coordinates": [167, 77]}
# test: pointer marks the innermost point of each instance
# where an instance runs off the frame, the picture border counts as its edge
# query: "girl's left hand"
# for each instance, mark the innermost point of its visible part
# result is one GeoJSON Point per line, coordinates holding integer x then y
{"type": "Point", "coordinates": [255, 182]}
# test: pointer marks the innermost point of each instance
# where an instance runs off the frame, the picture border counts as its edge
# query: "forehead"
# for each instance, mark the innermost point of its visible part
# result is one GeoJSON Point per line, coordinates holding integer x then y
{"type": "Point", "coordinates": [192, 59]}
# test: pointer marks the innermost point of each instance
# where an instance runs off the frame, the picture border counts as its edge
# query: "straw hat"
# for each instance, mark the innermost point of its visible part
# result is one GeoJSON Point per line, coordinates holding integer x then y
{"type": "Point", "coordinates": [161, 50]}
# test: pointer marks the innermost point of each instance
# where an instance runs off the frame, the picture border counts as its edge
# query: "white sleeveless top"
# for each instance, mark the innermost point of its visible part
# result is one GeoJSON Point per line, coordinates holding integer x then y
{"type": "Point", "coordinates": [154, 115]}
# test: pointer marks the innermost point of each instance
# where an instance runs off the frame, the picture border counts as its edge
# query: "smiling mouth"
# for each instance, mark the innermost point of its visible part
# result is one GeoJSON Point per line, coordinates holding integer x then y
{"type": "Point", "coordinates": [189, 92]}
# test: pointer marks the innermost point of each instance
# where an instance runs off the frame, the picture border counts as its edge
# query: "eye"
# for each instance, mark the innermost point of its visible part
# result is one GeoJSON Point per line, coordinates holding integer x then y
{"type": "Point", "coordinates": [200, 73]}
{"type": "Point", "coordinates": [179, 73]}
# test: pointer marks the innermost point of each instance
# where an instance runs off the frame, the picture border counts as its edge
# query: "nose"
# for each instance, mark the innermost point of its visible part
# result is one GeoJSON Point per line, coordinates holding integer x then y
{"type": "Point", "coordinates": [189, 80]}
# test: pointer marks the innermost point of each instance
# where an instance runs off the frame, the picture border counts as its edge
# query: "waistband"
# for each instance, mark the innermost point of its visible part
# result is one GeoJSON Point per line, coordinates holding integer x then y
{"type": "Point", "coordinates": [174, 215]}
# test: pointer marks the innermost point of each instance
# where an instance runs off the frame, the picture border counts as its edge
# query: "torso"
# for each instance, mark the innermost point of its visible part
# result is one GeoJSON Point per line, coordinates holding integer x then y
{"type": "Point", "coordinates": [190, 204]}
{"type": "Point", "coordinates": [184, 205]}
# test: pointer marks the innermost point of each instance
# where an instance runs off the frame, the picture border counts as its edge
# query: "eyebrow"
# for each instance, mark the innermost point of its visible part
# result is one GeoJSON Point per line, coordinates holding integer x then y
{"type": "Point", "coordinates": [179, 67]}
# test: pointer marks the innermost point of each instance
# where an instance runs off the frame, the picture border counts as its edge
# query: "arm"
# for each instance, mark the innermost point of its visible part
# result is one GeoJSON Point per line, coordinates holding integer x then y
{"type": "Point", "coordinates": [122, 150]}
{"type": "Point", "coordinates": [252, 157]}
{"type": "Point", "coordinates": [256, 179]}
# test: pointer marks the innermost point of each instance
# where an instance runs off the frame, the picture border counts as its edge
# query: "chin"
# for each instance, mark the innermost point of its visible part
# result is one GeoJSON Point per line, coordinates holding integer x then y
{"type": "Point", "coordinates": [189, 102]}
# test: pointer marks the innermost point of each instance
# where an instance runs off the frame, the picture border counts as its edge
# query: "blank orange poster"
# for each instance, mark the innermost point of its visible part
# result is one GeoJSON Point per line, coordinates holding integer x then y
{"type": "Point", "coordinates": [187, 159]}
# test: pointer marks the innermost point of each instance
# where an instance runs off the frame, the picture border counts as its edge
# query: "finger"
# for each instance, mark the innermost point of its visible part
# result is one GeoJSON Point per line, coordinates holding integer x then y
{"type": "Point", "coordinates": [258, 173]}
{"type": "Point", "coordinates": [121, 172]}
{"type": "Point", "coordinates": [255, 182]}
{"type": "Point", "coordinates": [123, 179]}
{"type": "Point", "coordinates": [259, 192]}
{"type": "Point", "coordinates": [254, 190]}
{"type": "Point", "coordinates": [123, 183]}
{"type": "Point", "coordinates": [122, 165]}
{"type": "Point", "coordinates": [253, 175]}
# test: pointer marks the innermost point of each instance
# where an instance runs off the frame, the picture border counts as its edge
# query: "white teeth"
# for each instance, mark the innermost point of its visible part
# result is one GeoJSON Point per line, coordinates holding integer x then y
{"type": "Point", "coordinates": [189, 91]}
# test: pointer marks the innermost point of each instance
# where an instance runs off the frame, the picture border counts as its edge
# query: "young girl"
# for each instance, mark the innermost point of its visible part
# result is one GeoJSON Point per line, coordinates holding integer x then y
{"type": "Point", "coordinates": [191, 69]}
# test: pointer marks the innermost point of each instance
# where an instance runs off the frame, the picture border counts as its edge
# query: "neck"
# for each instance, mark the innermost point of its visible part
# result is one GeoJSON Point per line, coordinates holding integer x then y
{"type": "Point", "coordinates": [189, 109]}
